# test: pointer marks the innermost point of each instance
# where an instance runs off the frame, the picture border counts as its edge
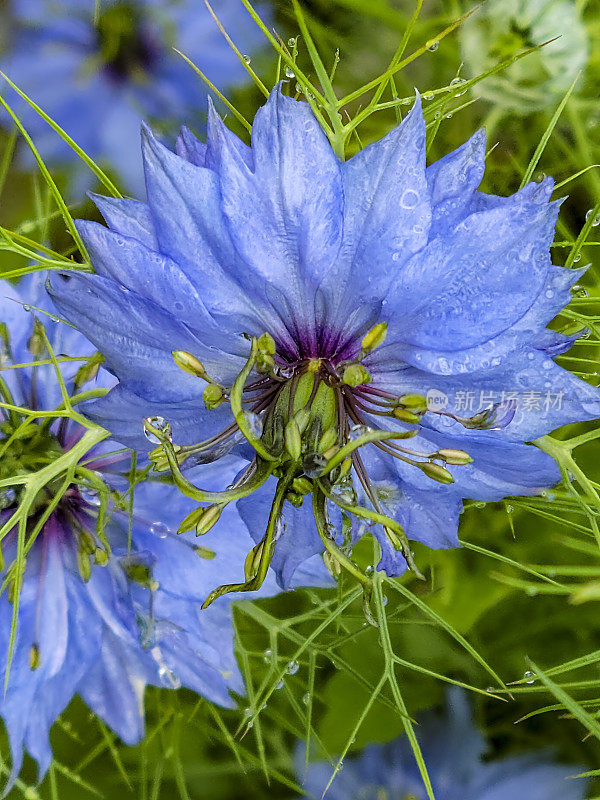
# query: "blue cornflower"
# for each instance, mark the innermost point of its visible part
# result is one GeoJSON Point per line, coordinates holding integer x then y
{"type": "Point", "coordinates": [453, 749]}
{"type": "Point", "coordinates": [378, 300]}
{"type": "Point", "coordinates": [98, 71]}
{"type": "Point", "coordinates": [104, 609]}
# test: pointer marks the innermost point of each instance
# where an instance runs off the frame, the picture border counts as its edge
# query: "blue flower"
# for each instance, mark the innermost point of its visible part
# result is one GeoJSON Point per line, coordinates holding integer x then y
{"type": "Point", "coordinates": [379, 300]}
{"type": "Point", "coordinates": [98, 78]}
{"type": "Point", "coordinates": [453, 749]}
{"type": "Point", "coordinates": [98, 616]}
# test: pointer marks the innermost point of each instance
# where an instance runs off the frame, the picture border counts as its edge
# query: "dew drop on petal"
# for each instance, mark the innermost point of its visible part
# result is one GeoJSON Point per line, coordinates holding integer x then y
{"type": "Point", "coordinates": [159, 529]}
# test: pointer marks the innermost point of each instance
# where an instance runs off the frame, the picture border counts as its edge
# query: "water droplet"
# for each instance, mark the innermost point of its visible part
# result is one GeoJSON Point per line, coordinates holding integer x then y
{"type": "Point", "coordinates": [509, 509]}
{"type": "Point", "coordinates": [579, 291]}
{"type": "Point", "coordinates": [293, 667]}
{"type": "Point", "coordinates": [595, 221]}
{"type": "Point", "coordinates": [159, 529]}
{"type": "Point", "coordinates": [370, 570]}
{"type": "Point", "coordinates": [54, 318]}
{"type": "Point", "coordinates": [356, 431]}
{"type": "Point", "coordinates": [26, 307]}
{"type": "Point", "coordinates": [306, 698]}
{"type": "Point", "coordinates": [268, 656]}
{"type": "Point", "coordinates": [433, 47]}
{"type": "Point", "coordinates": [529, 674]}
{"type": "Point", "coordinates": [254, 423]}
{"type": "Point", "coordinates": [90, 496]}
{"type": "Point", "coordinates": [577, 258]}
{"type": "Point", "coordinates": [248, 712]}
{"type": "Point", "coordinates": [289, 72]}
{"type": "Point", "coordinates": [247, 59]}
{"type": "Point", "coordinates": [167, 677]}
{"type": "Point", "coordinates": [457, 82]}
{"type": "Point", "coordinates": [279, 685]}
{"type": "Point", "coordinates": [313, 465]}
{"type": "Point", "coordinates": [428, 96]}
{"type": "Point", "coordinates": [292, 41]}
{"type": "Point", "coordinates": [539, 177]}
{"type": "Point", "coordinates": [385, 600]}
{"type": "Point", "coordinates": [549, 294]}
{"type": "Point", "coordinates": [449, 115]}
{"type": "Point", "coordinates": [161, 424]}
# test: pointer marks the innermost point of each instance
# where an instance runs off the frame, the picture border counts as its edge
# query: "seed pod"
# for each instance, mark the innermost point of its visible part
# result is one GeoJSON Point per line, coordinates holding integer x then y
{"type": "Point", "coordinates": [192, 519]}
{"type": "Point", "coordinates": [328, 440]}
{"type": "Point", "coordinates": [293, 441]}
{"type": "Point", "coordinates": [414, 402]}
{"type": "Point", "coordinates": [333, 565]}
{"type": "Point", "coordinates": [437, 472]}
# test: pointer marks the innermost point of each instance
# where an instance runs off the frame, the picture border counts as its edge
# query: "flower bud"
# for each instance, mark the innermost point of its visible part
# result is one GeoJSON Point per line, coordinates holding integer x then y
{"type": "Point", "coordinates": [375, 337]}
{"type": "Point", "coordinates": [209, 518]}
{"type": "Point", "coordinates": [437, 472]}
{"type": "Point", "coordinates": [192, 519]}
{"type": "Point", "coordinates": [302, 485]}
{"type": "Point", "coordinates": [89, 370]}
{"type": "Point", "coordinates": [356, 375]}
{"type": "Point", "coordinates": [295, 499]}
{"type": "Point", "coordinates": [328, 440]}
{"type": "Point", "coordinates": [101, 557]}
{"type": "Point", "coordinates": [84, 565]}
{"type": "Point", "coordinates": [252, 561]}
{"type": "Point", "coordinates": [302, 418]}
{"type": "Point", "coordinates": [451, 456]}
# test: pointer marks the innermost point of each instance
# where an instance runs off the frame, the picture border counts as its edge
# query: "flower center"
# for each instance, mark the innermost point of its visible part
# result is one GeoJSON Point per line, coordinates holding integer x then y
{"type": "Point", "coordinates": [125, 42]}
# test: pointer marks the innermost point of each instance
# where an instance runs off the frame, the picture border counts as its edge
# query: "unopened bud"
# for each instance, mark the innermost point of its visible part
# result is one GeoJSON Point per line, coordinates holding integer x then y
{"type": "Point", "coordinates": [356, 375]}
{"type": "Point", "coordinates": [403, 415]}
{"type": "Point", "coordinates": [34, 656]}
{"type": "Point", "coordinates": [375, 337]}
{"type": "Point", "coordinates": [459, 457]}
{"type": "Point", "coordinates": [414, 402]}
{"type": "Point", "coordinates": [212, 396]}
{"type": "Point", "coordinates": [302, 418]}
{"type": "Point", "coordinates": [190, 364]}
{"type": "Point", "coordinates": [328, 440]}
{"type": "Point", "coordinates": [266, 344]}
{"type": "Point", "coordinates": [209, 518]}
{"type": "Point", "coordinates": [87, 543]}
{"type": "Point", "coordinates": [36, 342]}
{"type": "Point", "coordinates": [204, 552]}
{"type": "Point", "coordinates": [437, 472]}
{"type": "Point", "coordinates": [302, 485]}
{"type": "Point", "coordinates": [293, 442]}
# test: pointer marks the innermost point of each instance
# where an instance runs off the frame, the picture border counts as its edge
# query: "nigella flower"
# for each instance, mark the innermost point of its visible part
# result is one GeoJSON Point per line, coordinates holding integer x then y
{"type": "Point", "coordinates": [503, 28]}
{"type": "Point", "coordinates": [276, 303]}
{"type": "Point", "coordinates": [453, 749]}
{"type": "Point", "coordinates": [97, 69]}
{"type": "Point", "coordinates": [108, 600]}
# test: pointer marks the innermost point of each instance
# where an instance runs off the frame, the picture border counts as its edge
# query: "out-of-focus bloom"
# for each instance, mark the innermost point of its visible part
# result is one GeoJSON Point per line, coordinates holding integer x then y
{"type": "Point", "coordinates": [502, 28]}
{"type": "Point", "coordinates": [107, 608]}
{"type": "Point", "coordinates": [453, 749]}
{"type": "Point", "coordinates": [98, 76]}
{"type": "Point", "coordinates": [364, 287]}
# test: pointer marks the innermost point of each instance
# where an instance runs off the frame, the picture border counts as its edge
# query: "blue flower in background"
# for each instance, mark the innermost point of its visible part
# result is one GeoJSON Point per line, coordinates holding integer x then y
{"type": "Point", "coordinates": [98, 77]}
{"type": "Point", "coordinates": [379, 295]}
{"type": "Point", "coordinates": [98, 617]}
{"type": "Point", "coordinates": [453, 749]}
